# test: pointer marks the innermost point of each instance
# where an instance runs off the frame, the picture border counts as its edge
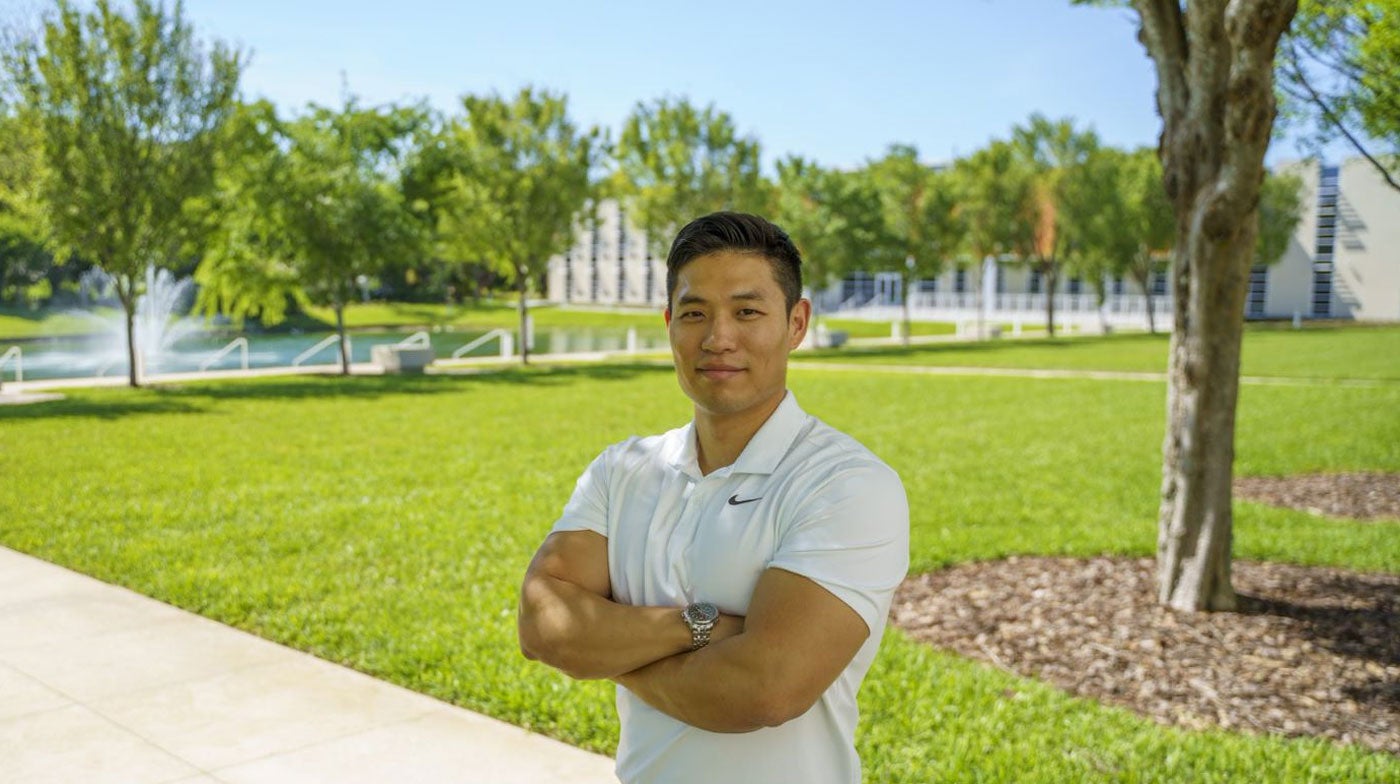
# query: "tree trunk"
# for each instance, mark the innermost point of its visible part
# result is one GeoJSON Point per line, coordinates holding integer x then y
{"type": "Point", "coordinates": [344, 343]}
{"type": "Point", "coordinates": [1143, 277]}
{"type": "Point", "coordinates": [1051, 275]}
{"type": "Point", "coordinates": [522, 286]}
{"type": "Point", "coordinates": [126, 292]}
{"type": "Point", "coordinates": [908, 295]}
{"type": "Point", "coordinates": [1215, 94]}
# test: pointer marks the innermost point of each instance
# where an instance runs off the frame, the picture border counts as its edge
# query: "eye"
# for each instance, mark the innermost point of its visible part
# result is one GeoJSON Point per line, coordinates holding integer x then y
{"type": "Point", "coordinates": [749, 313]}
{"type": "Point", "coordinates": [692, 315]}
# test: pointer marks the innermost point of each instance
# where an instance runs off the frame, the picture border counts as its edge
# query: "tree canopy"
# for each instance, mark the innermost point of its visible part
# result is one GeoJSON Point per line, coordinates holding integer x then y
{"type": "Point", "coordinates": [127, 110]}
{"type": "Point", "coordinates": [676, 162]}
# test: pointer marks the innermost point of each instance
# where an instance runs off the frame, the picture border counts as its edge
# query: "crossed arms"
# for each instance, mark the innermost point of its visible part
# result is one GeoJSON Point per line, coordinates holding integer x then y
{"type": "Point", "coordinates": [758, 671]}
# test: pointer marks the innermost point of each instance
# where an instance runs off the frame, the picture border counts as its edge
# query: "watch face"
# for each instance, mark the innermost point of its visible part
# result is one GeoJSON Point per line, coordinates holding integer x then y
{"type": "Point", "coordinates": [702, 612]}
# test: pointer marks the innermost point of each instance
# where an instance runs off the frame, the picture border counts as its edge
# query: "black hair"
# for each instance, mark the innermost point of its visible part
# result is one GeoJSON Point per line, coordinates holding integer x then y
{"type": "Point", "coordinates": [742, 233]}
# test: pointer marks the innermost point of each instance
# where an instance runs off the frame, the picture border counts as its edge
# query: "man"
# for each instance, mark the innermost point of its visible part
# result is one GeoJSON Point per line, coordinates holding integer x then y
{"type": "Point", "coordinates": [732, 576]}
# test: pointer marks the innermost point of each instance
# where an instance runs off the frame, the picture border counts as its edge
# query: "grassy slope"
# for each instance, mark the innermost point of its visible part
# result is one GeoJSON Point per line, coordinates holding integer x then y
{"type": "Point", "coordinates": [385, 523]}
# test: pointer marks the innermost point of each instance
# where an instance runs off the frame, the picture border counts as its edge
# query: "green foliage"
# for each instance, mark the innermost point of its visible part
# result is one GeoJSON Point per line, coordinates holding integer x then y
{"type": "Point", "coordinates": [676, 162]}
{"type": "Point", "coordinates": [307, 207]}
{"type": "Point", "coordinates": [413, 575]}
{"type": "Point", "coordinates": [1338, 69]}
{"type": "Point", "coordinates": [1280, 210]}
{"type": "Point", "coordinates": [920, 209]}
{"type": "Point", "coordinates": [517, 174]}
{"type": "Point", "coordinates": [127, 111]}
{"type": "Point", "coordinates": [998, 202]}
{"type": "Point", "coordinates": [833, 217]}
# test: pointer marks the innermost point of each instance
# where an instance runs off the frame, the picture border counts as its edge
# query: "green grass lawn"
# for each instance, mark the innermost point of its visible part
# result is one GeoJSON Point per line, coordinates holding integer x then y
{"type": "Point", "coordinates": [1355, 352]}
{"type": "Point", "coordinates": [20, 324]}
{"type": "Point", "coordinates": [385, 523]}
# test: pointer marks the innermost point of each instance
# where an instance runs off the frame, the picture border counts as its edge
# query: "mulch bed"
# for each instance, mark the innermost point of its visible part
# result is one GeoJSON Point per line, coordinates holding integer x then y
{"type": "Point", "coordinates": [1363, 496]}
{"type": "Point", "coordinates": [1311, 651]}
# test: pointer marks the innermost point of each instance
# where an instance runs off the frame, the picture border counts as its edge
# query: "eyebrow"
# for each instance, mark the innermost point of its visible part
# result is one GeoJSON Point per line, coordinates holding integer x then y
{"type": "Point", "coordinates": [742, 296]}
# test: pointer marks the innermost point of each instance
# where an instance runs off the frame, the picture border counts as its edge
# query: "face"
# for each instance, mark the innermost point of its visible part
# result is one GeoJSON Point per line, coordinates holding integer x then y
{"type": "Point", "coordinates": [731, 334]}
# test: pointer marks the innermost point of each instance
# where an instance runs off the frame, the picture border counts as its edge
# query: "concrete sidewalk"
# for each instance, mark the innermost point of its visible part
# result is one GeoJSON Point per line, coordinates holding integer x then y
{"type": "Point", "coordinates": [99, 684]}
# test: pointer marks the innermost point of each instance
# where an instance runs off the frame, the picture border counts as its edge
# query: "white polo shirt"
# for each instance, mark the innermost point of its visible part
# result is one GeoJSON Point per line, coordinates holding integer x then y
{"type": "Point", "coordinates": [803, 497]}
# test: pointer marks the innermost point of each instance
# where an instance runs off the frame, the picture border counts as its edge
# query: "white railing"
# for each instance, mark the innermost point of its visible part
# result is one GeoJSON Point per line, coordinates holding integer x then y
{"type": "Point", "coordinates": [310, 352]}
{"type": "Point", "coordinates": [237, 343]}
{"type": "Point", "coordinates": [416, 340]}
{"type": "Point", "coordinates": [18, 356]}
{"type": "Point", "coordinates": [506, 337]}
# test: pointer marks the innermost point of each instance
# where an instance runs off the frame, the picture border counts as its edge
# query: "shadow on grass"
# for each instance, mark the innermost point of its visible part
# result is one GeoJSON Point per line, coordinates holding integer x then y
{"type": "Point", "coordinates": [184, 398]}
{"type": "Point", "coordinates": [86, 408]}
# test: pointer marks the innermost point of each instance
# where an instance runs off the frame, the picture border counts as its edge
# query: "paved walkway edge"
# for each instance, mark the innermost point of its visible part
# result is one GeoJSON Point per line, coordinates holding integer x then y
{"type": "Point", "coordinates": [100, 684]}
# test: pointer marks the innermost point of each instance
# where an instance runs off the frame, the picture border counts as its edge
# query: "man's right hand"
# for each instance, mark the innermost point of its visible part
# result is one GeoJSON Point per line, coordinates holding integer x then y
{"type": "Point", "coordinates": [567, 618]}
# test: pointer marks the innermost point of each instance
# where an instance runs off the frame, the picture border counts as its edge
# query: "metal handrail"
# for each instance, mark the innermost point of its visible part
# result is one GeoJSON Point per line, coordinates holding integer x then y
{"type": "Point", "coordinates": [303, 356]}
{"type": "Point", "coordinates": [240, 343]}
{"type": "Point", "coordinates": [503, 334]}
{"type": "Point", "coordinates": [18, 354]}
{"type": "Point", "coordinates": [416, 340]}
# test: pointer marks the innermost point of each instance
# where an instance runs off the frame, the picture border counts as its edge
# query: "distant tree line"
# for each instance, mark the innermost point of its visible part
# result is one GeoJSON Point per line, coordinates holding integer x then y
{"type": "Point", "coordinates": [125, 143]}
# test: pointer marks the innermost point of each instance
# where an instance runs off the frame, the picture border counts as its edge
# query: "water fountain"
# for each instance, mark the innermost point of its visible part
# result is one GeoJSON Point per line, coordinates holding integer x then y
{"type": "Point", "coordinates": [157, 323]}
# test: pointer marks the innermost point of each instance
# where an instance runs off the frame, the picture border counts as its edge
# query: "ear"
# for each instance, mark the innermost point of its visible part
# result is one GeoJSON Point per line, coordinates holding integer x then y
{"type": "Point", "coordinates": [667, 314]}
{"type": "Point", "coordinates": [798, 320]}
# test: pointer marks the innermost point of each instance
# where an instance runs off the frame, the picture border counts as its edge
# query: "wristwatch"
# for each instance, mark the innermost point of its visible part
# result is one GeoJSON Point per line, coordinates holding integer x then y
{"type": "Point", "coordinates": [700, 617]}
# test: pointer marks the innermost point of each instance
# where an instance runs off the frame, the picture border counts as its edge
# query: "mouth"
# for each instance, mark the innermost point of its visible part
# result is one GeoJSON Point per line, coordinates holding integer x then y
{"type": "Point", "coordinates": [719, 372]}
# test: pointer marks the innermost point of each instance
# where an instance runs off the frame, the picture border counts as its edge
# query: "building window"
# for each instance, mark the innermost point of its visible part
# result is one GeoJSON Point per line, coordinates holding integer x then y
{"type": "Point", "coordinates": [960, 282]}
{"type": "Point", "coordinates": [1036, 281]}
{"type": "Point", "coordinates": [1118, 287]}
{"type": "Point", "coordinates": [1076, 285]}
{"type": "Point", "coordinates": [1159, 283]}
{"type": "Point", "coordinates": [1258, 285]}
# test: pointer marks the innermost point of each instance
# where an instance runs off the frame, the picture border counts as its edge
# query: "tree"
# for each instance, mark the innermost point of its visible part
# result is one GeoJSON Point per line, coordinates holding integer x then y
{"type": "Point", "coordinates": [24, 261]}
{"type": "Point", "coordinates": [833, 217]}
{"type": "Point", "coordinates": [127, 110]}
{"type": "Point", "coordinates": [1280, 210]}
{"type": "Point", "coordinates": [1339, 66]}
{"type": "Point", "coordinates": [1147, 221]}
{"type": "Point", "coordinates": [307, 207]}
{"type": "Point", "coordinates": [998, 207]}
{"type": "Point", "coordinates": [1064, 201]}
{"type": "Point", "coordinates": [1215, 93]}
{"type": "Point", "coordinates": [676, 162]}
{"type": "Point", "coordinates": [519, 172]}
{"type": "Point", "coordinates": [922, 221]}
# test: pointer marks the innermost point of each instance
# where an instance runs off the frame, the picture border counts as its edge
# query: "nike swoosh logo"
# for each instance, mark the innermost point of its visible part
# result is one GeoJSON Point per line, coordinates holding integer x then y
{"type": "Point", "coordinates": [734, 500]}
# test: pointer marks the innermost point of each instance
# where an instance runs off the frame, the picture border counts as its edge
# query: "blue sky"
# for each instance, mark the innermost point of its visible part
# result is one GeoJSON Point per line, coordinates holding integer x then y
{"type": "Point", "coordinates": [834, 81]}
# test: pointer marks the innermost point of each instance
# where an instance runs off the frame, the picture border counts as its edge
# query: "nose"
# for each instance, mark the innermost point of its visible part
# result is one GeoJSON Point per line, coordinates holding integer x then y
{"type": "Point", "coordinates": [719, 338]}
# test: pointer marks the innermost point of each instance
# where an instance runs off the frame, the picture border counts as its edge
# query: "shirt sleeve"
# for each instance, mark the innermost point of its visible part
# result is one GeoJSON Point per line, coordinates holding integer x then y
{"type": "Point", "coordinates": [587, 509]}
{"type": "Point", "coordinates": [851, 536]}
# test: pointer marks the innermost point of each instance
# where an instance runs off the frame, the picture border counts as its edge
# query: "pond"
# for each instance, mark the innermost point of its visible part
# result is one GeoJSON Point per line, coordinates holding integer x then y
{"type": "Point", "coordinates": [79, 357]}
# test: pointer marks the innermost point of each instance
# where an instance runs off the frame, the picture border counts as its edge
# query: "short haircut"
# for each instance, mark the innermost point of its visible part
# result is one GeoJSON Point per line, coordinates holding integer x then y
{"type": "Point", "coordinates": [739, 232]}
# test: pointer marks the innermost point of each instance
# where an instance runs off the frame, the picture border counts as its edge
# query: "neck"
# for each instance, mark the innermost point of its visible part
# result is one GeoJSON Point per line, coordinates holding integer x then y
{"type": "Point", "coordinates": [721, 438]}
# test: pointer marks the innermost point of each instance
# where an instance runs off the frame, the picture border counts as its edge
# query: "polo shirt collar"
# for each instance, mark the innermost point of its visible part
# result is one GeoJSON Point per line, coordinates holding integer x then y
{"type": "Point", "coordinates": [763, 452]}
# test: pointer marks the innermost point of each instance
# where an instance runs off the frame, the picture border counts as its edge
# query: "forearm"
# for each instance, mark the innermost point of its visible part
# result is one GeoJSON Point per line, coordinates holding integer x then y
{"type": "Point", "coordinates": [586, 635]}
{"type": "Point", "coordinates": [724, 687]}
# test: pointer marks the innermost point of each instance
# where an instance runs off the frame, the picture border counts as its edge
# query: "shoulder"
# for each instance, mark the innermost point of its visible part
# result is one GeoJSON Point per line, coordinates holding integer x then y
{"type": "Point", "coordinates": [637, 452]}
{"type": "Point", "coordinates": [824, 454]}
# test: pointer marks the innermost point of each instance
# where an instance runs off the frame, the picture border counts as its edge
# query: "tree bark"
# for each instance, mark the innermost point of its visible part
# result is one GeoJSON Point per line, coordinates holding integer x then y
{"type": "Point", "coordinates": [522, 287]}
{"type": "Point", "coordinates": [126, 292]}
{"type": "Point", "coordinates": [1050, 277]}
{"type": "Point", "coordinates": [344, 344]}
{"type": "Point", "coordinates": [1144, 280]}
{"type": "Point", "coordinates": [1215, 93]}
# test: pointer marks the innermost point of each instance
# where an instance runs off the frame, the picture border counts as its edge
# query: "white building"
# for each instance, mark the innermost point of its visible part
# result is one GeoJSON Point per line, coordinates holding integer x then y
{"type": "Point", "coordinates": [1343, 262]}
{"type": "Point", "coordinates": [609, 264]}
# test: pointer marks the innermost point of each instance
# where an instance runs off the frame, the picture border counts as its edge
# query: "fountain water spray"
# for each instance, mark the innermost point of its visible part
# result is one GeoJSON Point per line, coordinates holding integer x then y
{"type": "Point", "coordinates": [157, 324]}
